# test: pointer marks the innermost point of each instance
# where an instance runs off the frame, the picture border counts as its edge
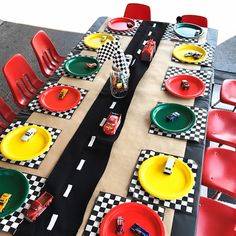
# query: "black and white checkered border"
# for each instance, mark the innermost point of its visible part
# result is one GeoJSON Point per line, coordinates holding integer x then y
{"type": "Point", "coordinates": [81, 46]}
{"type": "Point", "coordinates": [36, 162]}
{"type": "Point", "coordinates": [171, 35]}
{"type": "Point", "coordinates": [205, 76]}
{"type": "Point", "coordinates": [34, 105]}
{"type": "Point", "coordinates": [130, 32]}
{"type": "Point", "coordinates": [184, 204]}
{"type": "Point", "coordinates": [105, 202]}
{"type": "Point", "coordinates": [209, 59]}
{"type": "Point", "coordinates": [61, 71]}
{"type": "Point", "coordinates": [11, 222]}
{"type": "Point", "coordinates": [196, 133]}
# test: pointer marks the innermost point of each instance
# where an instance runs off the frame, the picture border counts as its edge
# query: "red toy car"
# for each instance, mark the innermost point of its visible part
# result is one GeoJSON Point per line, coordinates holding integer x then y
{"type": "Point", "coordinates": [148, 50]}
{"type": "Point", "coordinates": [112, 123]}
{"type": "Point", "coordinates": [38, 206]}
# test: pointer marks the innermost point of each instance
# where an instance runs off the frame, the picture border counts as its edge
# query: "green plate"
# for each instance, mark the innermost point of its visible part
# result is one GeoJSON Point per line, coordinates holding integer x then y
{"type": "Point", "coordinates": [187, 30]}
{"type": "Point", "coordinates": [76, 66]}
{"type": "Point", "coordinates": [184, 122]}
{"type": "Point", "coordinates": [15, 183]}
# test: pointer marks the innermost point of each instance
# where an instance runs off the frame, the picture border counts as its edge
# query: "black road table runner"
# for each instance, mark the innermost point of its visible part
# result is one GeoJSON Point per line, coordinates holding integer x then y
{"type": "Point", "coordinates": [90, 148]}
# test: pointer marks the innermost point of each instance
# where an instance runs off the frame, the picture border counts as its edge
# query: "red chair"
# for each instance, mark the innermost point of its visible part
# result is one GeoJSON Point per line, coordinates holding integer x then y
{"type": "Point", "coordinates": [219, 171]}
{"type": "Point", "coordinates": [46, 53]}
{"type": "Point", "coordinates": [221, 127]}
{"type": "Point", "coordinates": [138, 11]}
{"type": "Point", "coordinates": [227, 93]}
{"type": "Point", "coordinates": [215, 219]}
{"type": "Point", "coordinates": [22, 80]}
{"type": "Point", "coordinates": [193, 19]}
{"type": "Point", "coordinates": [6, 114]}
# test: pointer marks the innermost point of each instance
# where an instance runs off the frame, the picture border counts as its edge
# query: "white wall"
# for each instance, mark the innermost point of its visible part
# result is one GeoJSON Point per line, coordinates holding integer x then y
{"type": "Point", "coordinates": [78, 15]}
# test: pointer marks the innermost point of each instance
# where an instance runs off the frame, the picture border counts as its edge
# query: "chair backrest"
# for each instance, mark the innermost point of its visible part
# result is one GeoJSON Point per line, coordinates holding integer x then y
{"type": "Point", "coordinates": [46, 53]}
{"type": "Point", "coordinates": [215, 218]}
{"type": "Point", "coordinates": [22, 80]}
{"type": "Point", "coordinates": [6, 113]}
{"type": "Point", "coordinates": [138, 11]}
{"type": "Point", "coordinates": [195, 19]}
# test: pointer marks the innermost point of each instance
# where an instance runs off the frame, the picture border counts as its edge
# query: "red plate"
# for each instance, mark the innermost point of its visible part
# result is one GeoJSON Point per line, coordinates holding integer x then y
{"type": "Point", "coordinates": [173, 85]}
{"type": "Point", "coordinates": [132, 213]}
{"type": "Point", "coordinates": [120, 24]}
{"type": "Point", "coordinates": [49, 99]}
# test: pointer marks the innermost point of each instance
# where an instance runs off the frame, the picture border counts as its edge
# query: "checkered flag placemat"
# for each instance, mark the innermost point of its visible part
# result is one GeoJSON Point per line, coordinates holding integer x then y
{"type": "Point", "coordinates": [130, 32]}
{"type": "Point", "coordinates": [205, 76]}
{"type": "Point", "coordinates": [171, 35]}
{"type": "Point", "coordinates": [81, 46]}
{"type": "Point", "coordinates": [11, 222]}
{"type": "Point", "coordinates": [34, 105]}
{"type": "Point", "coordinates": [61, 71]}
{"type": "Point", "coordinates": [196, 133]}
{"type": "Point", "coordinates": [36, 162]}
{"type": "Point", "coordinates": [184, 204]}
{"type": "Point", "coordinates": [104, 203]}
{"type": "Point", "coordinates": [107, 51]}
{"type": "Point", "coordinates": [209, 59]}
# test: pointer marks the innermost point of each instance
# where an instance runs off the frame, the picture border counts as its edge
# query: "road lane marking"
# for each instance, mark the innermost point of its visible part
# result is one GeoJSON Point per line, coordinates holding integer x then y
{"type": "Point", "coordinates": [113, 105]}
{"type": "Point", "coordinates": [139, 51]}
{"type": "Point", "coordinates": [67, 192]}
{"type": "Point", "coordinates": [52, 222]}
{"type": "Point", "coordinates": [150, 33]}
{"type": "Point", "coordinates": [91, 141]}
{"type": "Point", "coordinates": [81, 163]}
{"type": "Point", "coordinates": [103, 122]}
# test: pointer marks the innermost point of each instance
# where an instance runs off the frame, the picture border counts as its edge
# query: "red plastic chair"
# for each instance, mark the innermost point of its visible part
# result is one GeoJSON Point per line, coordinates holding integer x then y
{"type": "Point", "coordinates": [138, 11]}
{"type": "Point", "coordinates": [227, 93]}
{"type": "Point", "coordinates": [46, 53]}
{"type": "Point", "coordinates": [219, 171]}
{"type": "Point", "coordinates": [6, 113]}
{"type": "Point", "coordinates": [221, 127]}
{"type": "Point", "coordinates": [22, 80]}
{"type": "Point", "coordinates": [215, 219]}
{"type": "Point", "coordinates": [195, 19]}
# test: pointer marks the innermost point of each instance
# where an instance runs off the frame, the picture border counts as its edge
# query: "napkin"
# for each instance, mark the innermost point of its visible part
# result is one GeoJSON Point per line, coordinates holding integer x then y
{"type": "Point", "coordinates": [120, 62]}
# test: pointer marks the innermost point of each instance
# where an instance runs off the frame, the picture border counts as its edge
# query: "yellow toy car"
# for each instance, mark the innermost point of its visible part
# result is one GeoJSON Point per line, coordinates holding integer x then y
{"type": "Point", "coordinates": [4, 200]}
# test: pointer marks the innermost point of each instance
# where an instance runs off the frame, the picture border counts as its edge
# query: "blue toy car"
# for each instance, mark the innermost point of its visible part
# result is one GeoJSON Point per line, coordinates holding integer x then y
{"type": "Point", "coordinates": [138, 230]}
{"type": "Point", "coordinates": [173, 116]}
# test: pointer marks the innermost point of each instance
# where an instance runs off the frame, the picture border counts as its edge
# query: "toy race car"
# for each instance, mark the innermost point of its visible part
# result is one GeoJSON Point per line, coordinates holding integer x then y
{"type": "Point", "coordinates": [112, 123]}
{"type": "Point", "coordinates": [173, 116]}
{"type": "Point", "coordinates": [120, 225]}
{"type": "Point", "coordinates": [138, 230]}
{"type": "Point", "coordinates": [4, 200]}
{"type": "Point", "coordinates": [28, 134]}
{"type": "Point", "coordinates": [148, 50]}
{"type": "Point", "coordinates": [169, 165]}
{"type": "Point", "coordinates": [185, 85]}
{"type": "Point", "coordinates": [38, 206]}
{"type": "Point", "coordinates": [194, 54]}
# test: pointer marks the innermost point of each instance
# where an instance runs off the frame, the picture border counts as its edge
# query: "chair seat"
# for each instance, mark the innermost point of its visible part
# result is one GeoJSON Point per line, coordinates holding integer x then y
{"type": "Point", "coordinates": [227, 92]}
{"type": "Point", "coordinates": [215, 219]}
{"type": "Point", "coordinates": [137, 11]}
{"type": "Point", "coordinates": [219, 170]}
{"type": "Point", "coordinates": [195, 19]}
{"type": "Point", "coordinates": [221, 127]}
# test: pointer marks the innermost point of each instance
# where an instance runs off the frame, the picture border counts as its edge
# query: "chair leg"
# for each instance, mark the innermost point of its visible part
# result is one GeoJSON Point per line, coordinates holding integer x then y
{"type": "Point", "coordinates": [216, 195]}
{"type": "Point", "coordinates": [234, 109]}
{"type": "Point", "coordinates": [214, 105]}
{"type": "Point", "coordinates": [220, 145]}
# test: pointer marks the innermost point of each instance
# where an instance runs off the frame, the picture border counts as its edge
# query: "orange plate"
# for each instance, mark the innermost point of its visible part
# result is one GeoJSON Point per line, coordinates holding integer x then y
{"type": "Point", "coordinates": [197, 86]}
{"type": "Point", "coordinates": [49, 99]}
{"type": "Point", "coordinates": [132, 213]}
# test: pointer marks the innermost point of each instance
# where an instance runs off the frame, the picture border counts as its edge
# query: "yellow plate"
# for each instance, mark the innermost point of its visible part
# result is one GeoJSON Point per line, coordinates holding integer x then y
{"type": "Point", "coordinates": [13, 148]}
{"type": "Point", "coordinates": [179, 52]}
{"type": "Point", "coordinates": [164, 186]}
{"type": "Point", "coordinates": [95, 40]}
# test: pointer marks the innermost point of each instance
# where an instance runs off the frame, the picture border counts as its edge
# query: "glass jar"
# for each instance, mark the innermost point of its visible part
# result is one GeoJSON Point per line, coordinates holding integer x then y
{"type": "Point", "coordinates": [119, 82]}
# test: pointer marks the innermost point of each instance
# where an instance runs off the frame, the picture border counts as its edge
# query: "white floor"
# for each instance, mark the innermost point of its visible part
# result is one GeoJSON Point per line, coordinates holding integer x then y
{"type": "Point", "coordinates": [78, 15]}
